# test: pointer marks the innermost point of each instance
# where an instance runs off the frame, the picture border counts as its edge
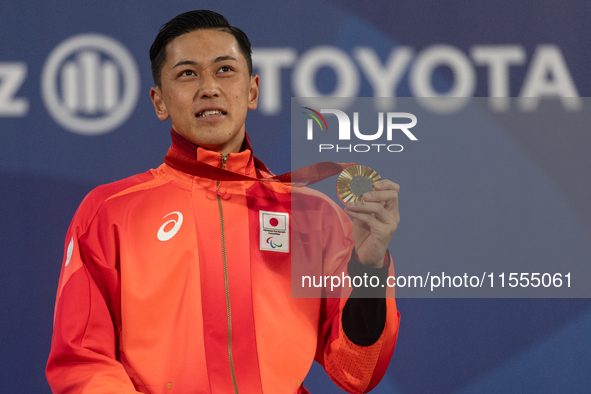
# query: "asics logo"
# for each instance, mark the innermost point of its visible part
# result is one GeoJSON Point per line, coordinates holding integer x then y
{"type": "Point", "coordinates": [164, 235]}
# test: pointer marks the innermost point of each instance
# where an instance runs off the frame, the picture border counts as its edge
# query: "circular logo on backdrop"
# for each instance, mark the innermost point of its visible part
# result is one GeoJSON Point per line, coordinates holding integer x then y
{"type": "Point", "coordinates": [90, 84]}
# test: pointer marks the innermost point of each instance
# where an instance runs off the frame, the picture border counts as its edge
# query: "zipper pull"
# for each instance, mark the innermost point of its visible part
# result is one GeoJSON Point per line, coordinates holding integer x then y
{"type": "Point", "coordinates": [224, 165]}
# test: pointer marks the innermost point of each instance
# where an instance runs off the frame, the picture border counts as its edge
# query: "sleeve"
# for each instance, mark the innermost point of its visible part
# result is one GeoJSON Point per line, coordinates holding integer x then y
{"type": "Point", "coordinates": [83, 356]}
{"type": "Point", "coordinates": [364, 313]}
{"type": "Point", "coordinates": [357, 334]}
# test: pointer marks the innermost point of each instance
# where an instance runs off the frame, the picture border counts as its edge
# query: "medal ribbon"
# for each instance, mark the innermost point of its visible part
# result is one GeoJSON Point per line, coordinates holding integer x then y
{"type": "Point", "coordinates": [302, 177]}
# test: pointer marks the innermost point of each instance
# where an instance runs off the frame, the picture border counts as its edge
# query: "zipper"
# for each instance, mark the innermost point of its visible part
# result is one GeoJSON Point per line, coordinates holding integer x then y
{"type": "Point", "coordinates": [224, 165]}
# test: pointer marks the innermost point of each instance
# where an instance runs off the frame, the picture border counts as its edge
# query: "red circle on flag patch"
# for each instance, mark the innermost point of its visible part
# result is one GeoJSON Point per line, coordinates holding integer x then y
{"type": "Point", "coordinates": [273, 222]}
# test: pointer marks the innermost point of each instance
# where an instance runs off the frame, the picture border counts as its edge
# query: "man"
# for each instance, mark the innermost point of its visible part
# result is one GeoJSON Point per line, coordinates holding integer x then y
{"type": "Point", "coordinates": [164, 285]}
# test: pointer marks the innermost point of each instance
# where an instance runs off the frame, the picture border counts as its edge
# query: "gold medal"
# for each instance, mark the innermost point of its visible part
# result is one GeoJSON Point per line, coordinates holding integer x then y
{"type": "Point", "coordinates": [354, 181]}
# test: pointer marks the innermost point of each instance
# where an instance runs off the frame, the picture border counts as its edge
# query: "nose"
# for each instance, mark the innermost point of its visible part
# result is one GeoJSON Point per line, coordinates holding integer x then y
{"type": "Point", "coordinates": [209, 86]}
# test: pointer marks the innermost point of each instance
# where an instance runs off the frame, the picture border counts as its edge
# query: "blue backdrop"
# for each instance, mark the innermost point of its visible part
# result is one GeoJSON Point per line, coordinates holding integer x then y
{"type": "Point", "coordinates": [75, 113]}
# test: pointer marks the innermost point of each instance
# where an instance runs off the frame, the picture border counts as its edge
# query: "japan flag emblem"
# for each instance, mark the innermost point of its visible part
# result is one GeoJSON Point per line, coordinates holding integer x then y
{"type": "Point", "coordinates": [274, 231]}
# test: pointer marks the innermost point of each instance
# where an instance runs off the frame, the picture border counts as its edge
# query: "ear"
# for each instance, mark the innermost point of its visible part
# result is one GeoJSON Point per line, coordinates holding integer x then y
{"type": "Point", "coordinates": [253, 95]}
{"type": "Point", "coordinates": [159, 106]}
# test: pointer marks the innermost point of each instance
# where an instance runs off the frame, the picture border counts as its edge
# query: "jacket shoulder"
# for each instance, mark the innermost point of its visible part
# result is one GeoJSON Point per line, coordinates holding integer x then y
{"type": "Point", "coordinates": [104, 192]}
{"type": "Point", "coordinates": [108, 190]}
{"type": "Point", "coordinates": [99, 195]}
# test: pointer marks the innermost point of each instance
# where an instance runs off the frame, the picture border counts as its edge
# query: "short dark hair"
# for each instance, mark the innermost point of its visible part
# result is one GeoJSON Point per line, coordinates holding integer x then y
{"type": "Point", "coordinates": [186, 23]}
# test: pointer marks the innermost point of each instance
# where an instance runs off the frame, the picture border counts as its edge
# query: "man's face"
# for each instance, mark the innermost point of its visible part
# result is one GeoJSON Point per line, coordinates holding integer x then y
{"type": "Point", "coordinates": [206, 89]}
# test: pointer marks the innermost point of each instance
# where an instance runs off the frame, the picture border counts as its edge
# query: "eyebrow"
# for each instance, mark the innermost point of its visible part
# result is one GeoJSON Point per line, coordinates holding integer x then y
{"type": "Point", "coordinates": [193, 63]}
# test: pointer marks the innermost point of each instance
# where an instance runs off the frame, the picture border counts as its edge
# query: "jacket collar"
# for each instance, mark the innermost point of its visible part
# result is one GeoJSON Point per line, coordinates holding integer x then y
{"type": "Point", "coordinates": [242, 162]}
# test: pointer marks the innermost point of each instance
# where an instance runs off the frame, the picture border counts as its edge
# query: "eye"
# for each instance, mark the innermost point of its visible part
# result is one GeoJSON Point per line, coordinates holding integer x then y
{"type": "Point", "coordinates": [187, 72]}
{"type": "Point", "coordinates": [225, 69]}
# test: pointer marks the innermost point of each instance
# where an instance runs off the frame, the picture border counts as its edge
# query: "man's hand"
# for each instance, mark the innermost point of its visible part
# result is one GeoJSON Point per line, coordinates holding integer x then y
{"type": "Point", "coordinates": [375, 221]}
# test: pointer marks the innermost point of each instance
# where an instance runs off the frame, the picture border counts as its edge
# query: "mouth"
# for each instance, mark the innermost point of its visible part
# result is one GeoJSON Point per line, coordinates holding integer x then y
{"type": "Point", "coordinates": [211, 112]}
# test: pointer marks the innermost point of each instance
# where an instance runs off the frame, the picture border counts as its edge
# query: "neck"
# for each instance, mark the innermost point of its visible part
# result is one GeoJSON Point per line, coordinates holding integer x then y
{"type": "Point", "coordinates": [235, 147]}
{"type": "Point", "coordinates": [186, 147]}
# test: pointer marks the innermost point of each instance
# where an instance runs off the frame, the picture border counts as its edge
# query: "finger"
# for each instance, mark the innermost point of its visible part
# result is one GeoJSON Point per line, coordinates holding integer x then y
{"type": "Point", "coordinates": [372, 208]}
{"type": "Point", "coordinates": [380, 229]}
{"type": "Point", "coordinates": [378, 196]}
{"type": "Point", "coordinates": [367, 218]}
{"type": "Point", "coordinates": [387, 198]}
{"type": "Point", "coordinates": [386, 184]}
{"type": "Point", "coordinates": [387, 192]}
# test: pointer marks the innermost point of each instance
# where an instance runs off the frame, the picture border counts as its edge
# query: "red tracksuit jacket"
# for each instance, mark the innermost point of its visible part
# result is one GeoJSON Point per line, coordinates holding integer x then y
{"type": "Point", "coordinates": [164, 289]}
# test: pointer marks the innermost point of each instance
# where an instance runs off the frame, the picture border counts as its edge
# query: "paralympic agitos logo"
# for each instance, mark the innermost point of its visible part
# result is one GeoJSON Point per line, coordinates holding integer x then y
{"type": "Point", "coordinates": [273, 244]}
{"type": "Point", "coordinates": [393, 124]}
